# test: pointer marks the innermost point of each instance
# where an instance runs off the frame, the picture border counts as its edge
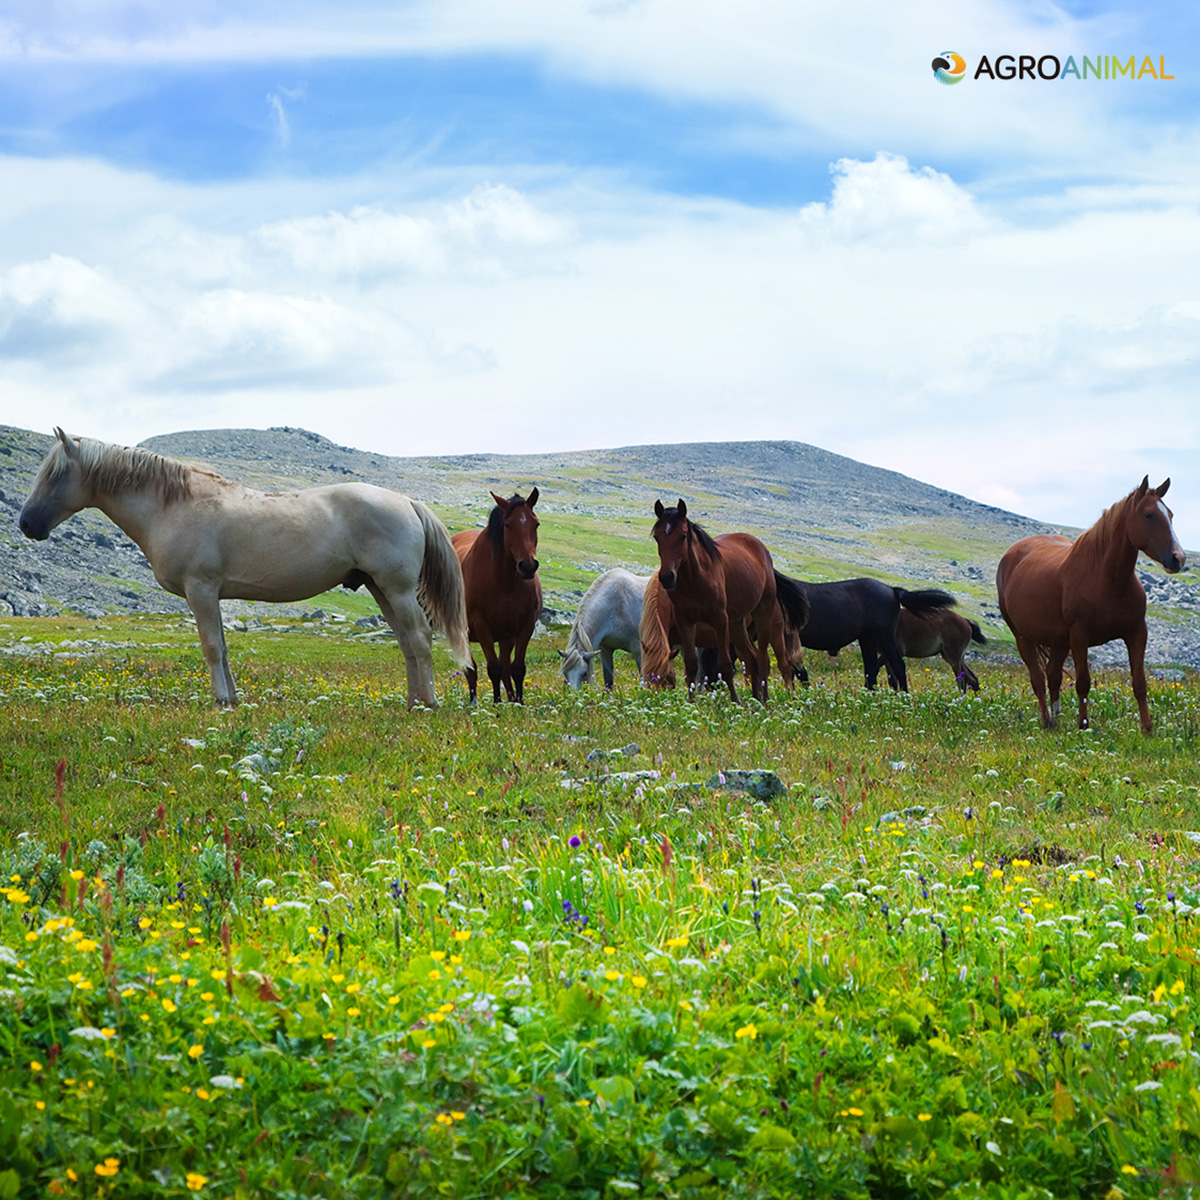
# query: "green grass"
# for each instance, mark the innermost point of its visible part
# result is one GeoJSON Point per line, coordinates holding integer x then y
{"type": "Point", "coordinates": [319, 946]}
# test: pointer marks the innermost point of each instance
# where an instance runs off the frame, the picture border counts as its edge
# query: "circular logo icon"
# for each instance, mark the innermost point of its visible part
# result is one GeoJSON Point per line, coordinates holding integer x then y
{"type": "Point", "coordinates": [949, 67]}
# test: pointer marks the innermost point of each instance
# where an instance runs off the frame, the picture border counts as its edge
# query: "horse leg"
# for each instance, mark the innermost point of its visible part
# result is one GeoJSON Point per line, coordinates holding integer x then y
{"type": "Point", "coordinates": [691, 662]}
{"type": "Point", "coordinates": [1135, 646]}
{"type": "Point", "coordinates": [1056, 658]}
{"type": "Point", "coordinates": [870, 658]}
{"type": "Point", "coordinates": [402, 612]}
{"type": "Point", "coordinates": [1083, 679]}
{"type": "Point", "coordinates": [518, 671]}
{"type": "Point", "coordinates": [725, 659]}
{"type": "Point", "coordinates": [494, 669]}
{"type": "Point", "coordinates": [896, 669]}
{"type": "Point", "coordinates": [757, 659]}
{"type": "Point", "coordinates": [206, 609]}
{"type": "Point", "coordinates": [1032, 657]}
{"type": "Point", "coordinates": [606, 665]}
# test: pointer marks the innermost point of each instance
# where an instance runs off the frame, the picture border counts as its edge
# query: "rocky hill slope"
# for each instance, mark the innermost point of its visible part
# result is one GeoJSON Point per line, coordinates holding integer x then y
{"type": "Point", "coordinates": [824, 516]}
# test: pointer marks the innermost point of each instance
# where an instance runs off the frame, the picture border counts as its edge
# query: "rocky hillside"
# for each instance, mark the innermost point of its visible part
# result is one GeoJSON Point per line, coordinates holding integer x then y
{"type": "Point", "coordinates": [824, 516]}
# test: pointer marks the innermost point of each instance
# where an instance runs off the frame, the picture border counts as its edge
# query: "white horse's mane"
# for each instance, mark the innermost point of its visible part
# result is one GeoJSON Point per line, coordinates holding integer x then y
{"type": "Point", "coordinates": [579, 644]}
{"type": "Point", "coordinates": [110, 468]}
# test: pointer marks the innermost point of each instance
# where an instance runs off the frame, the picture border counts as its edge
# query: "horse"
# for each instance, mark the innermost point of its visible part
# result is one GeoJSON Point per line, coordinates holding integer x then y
{"type": "Point", "coordinates": [207, 539]}
{"type": "Point", "coordinates": [504, 594]}
{"type": "Point", "coordinates": [940, 632]}
{"type": "Point", "coordinates": [866, 611]}
{"type": "Point", "coordinates": [722, 582]}
{"type": "Point", "coordinates": [1060, 597]}
{"type": "Point", "coordinates": [658, 637]}
{"type": "Point", "coordinates": [607, 620]}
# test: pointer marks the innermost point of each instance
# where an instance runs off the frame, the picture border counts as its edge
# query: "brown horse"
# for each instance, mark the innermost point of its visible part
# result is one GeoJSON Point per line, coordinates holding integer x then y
{"type": "Point", "coordinates": [1061, 597]}
{"type": "Point", "coordinates": [922, 635]}
{"type": "Point", "coordinates": [723, 583]}
{"type": "Point", "coordinates": [503, 591]}
{"type": "Point", "coordinates": [658, 636]}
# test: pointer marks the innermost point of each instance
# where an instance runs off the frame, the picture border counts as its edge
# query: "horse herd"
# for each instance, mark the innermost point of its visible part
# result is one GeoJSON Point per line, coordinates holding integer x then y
{"type": "Point", "coordinates": [715, 598]}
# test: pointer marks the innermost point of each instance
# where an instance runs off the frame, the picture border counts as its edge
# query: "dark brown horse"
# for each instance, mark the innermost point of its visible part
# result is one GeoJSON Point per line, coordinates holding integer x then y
{"type": "Point", "coordinates": [503, 591]}
{"type": "Point", "coordinates": [723, 583]}
{"type": "Point", "coordinates": [1059, 597]}
{"type": "Point", "coordinates": [922, 635]}
{"type": "Point", "coordinates": [658, 635]}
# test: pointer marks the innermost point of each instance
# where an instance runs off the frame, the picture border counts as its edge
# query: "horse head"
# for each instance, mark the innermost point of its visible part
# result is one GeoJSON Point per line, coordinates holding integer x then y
{"type": "Point", "coordinates": [1148, 525]}
{"type": "Point", "coordinates": [59, 491]}
{"type": "Point", "coordinates": [671, 532]}
{"type": "Point", "coordinates": [517, 527]}
{"type": "Point", "coordinates": [577, 666]}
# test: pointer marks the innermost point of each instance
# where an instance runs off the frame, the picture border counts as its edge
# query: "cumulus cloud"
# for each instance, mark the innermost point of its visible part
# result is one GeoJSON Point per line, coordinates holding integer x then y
{"type": "Point", "coordinates": [492, 233]}
{"type": "Point", "coordinates": [899, 321]}
{"type": "Point", "coordinates": [885, 202]}
{"type": "Point", "coordinates": [61, 310]}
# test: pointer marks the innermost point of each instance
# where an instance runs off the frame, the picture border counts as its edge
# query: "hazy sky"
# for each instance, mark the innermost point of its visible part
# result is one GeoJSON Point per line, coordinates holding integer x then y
{"type": "Point", "coordinates": [559, 224]}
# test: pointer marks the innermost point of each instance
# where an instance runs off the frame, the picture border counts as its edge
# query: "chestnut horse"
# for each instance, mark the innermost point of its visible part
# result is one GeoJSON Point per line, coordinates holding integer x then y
{"type": "Point", "coordinates": [1059, 597]}
{"type": "Point", "coordinates": [658, 636]}
{"type": "Point", "coordinates": [504, 593]}
{"type": "Point", "coordinates": [922, 635]}
{"type": "Point", "coordinates": [723, 583]}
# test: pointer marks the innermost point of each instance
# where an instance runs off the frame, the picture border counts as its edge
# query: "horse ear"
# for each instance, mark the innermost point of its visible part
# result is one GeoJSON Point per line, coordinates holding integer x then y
{"type": "Point", "coordinates": [1144, 486]}
{"type": "Point", "coordinates": [533, 498]}
{"type": "Point", "coordinates": [68, 445]}
{"type": "Point", "coordinates": [1162, 487]}
{"type": "Point", "coordinates": [682, 507]}
{"type": "Point", "coordinates": [500, 501]}
{"type": "Point", "coordinates": [588, 655]}
{"type": "Point", "coordinates": [658, 509]}
{"type": "Point", "coordinates": [562, 654]}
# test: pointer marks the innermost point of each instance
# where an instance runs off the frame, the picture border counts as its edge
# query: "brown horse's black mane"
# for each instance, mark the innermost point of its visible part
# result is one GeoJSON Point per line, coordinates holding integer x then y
{"type": "Point", "coordinates": [706, 543]}
{"type": "Point", "coordinates": [495, 525]}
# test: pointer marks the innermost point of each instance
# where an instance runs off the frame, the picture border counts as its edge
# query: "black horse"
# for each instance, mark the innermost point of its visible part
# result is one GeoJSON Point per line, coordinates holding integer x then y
{"type": "Point", "coordinates": [867, 611]}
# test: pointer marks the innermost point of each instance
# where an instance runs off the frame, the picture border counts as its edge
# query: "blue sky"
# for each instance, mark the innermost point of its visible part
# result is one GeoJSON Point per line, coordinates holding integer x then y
{"type": "Point", "coordinates": [555, 224]}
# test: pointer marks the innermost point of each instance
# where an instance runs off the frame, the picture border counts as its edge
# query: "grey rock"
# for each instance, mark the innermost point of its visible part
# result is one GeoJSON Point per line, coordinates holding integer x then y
{"type": "Point", "coordinates": [758, 782]}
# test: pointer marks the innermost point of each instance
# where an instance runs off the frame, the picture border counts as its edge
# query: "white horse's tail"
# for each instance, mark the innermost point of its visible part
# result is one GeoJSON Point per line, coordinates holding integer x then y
{"type": "Point", "coordinates": [440, 591]}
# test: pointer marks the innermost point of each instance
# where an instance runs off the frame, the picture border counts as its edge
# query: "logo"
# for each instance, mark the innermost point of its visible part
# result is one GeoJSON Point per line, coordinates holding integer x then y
{"type": "Point", "coordinates": [949, 67]}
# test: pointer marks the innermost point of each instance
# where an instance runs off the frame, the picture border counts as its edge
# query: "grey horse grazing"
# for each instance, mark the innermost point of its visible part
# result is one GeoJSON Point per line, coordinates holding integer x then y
{"type": "Point", "coordinates": [607, 620]}
{"type": "Point", "coordinates": [207, 538]}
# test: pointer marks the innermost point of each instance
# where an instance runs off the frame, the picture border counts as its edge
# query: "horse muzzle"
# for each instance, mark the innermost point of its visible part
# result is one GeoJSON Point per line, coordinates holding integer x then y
{"type": "Point", "coordinates": [527, 568]}
{"type": "Point", "coordinates": [668, 579]}
{"type": "Point", "coordinates": [34, 525]}
{"type": "Point", "coordinates": [1174, 562]}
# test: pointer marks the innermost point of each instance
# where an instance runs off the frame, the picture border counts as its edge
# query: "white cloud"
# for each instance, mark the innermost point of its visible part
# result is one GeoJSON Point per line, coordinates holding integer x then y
{"type": "Point", "coordinates": [901, 321]}
{"type": "Point", "coordinates": [492, 233]}
{"type": "Point", "coordinates": [886, 203]}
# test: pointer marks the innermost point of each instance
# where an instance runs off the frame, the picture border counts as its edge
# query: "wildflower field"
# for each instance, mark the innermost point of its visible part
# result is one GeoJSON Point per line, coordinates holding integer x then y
{"type": "Point", "coordinates": [318, 946]}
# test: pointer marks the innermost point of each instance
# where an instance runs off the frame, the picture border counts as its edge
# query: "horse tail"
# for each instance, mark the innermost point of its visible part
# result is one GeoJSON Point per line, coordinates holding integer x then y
{"type": "Point", "coordinates": [976, 632]}
{"type": "Point", "coordinates": [793, 600]}
{"type": "Point", "coordinates": [925, 600]}
{"type": "Point", "coordinates": [657, 668]}
{"type": "Point", "coordinates": [440, 591]}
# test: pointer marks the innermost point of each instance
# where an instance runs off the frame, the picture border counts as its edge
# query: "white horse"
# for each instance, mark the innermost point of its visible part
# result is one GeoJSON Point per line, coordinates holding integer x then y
{"type": "Point", "coordinates": [207, 538]}
{"type": "Point", "coordinates": [607, 620]}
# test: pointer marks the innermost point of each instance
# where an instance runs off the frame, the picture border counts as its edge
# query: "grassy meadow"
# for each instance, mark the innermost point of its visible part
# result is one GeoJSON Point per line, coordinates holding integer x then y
{"type": "Point", "coordinates": [317, 946]}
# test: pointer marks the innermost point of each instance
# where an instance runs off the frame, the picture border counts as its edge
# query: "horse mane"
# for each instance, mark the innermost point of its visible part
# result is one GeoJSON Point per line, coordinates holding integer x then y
{"type": "Point", "coordinates": [1094, 541]}
{"type": "Point", "coordinates": [111, 468]}
{"type": "Point", "coordinates": [706, 542]}
{"type": "Point", "coordinates": [578, 642]}
{"type": "Point", "coordinates": [657, 668]}
{"type": "Point", "coordinates": [495, 523]}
